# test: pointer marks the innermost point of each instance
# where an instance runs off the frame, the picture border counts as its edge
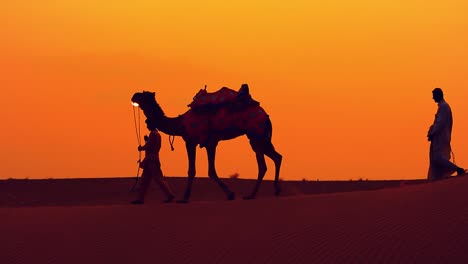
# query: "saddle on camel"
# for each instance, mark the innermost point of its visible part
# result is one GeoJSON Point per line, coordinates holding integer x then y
{"type": "Point", "coordinates": [225, 96]}
{"type": "Point", "coordinates": [214, 115]}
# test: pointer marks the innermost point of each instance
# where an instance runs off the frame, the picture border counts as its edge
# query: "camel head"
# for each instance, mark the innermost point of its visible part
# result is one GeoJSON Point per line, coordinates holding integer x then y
{"type": "Point", "coordinates": [147, 102]}
{"type": "Point", "coordinates": [143, 99]}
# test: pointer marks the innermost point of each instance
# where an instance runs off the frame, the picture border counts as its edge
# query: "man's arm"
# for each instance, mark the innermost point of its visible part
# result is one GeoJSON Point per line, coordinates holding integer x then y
{"type": "Point", "coordinates": [140, 148]}
{"type": "Point", "coordinates": [440, 121]}
{"type": "Point", "coordinates": [154, 142]}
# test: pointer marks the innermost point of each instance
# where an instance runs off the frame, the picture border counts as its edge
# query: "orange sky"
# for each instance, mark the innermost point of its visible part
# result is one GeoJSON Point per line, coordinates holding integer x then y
{"type": "Point", "coordinates": [347, 84]}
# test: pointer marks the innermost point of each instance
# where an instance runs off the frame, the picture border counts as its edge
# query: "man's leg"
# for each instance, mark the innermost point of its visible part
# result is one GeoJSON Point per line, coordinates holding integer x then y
{"type": "Point", "coordinates": [159, 179]}
{"type": "Point", "coordinates": [145, 182]}
{"type": "Point", "coordinates": [448, 165]}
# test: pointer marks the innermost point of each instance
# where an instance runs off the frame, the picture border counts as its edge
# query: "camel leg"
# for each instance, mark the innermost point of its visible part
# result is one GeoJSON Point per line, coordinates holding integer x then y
{"type": "Point", "coordinates": [258, 148]}
{"type": "Point", "coordinates": [277, 158]}
{"type": "Point", "coordinates": [191, 153]}
{"type": "Point", "coordinates": [262, 168]}
{"type": "Point", "coordinates": [211, 152]}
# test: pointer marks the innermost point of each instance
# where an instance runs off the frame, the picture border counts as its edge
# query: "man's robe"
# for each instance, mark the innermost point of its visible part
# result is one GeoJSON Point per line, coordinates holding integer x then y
{"type": "Point", "coordinates": [440, 135]}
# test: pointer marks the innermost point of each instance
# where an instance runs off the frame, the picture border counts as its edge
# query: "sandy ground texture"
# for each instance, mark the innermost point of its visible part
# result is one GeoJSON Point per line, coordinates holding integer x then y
{"type": "Point", "coordinates": [114, 191]}
{"type": "Point", "coordinates": [90, 221]}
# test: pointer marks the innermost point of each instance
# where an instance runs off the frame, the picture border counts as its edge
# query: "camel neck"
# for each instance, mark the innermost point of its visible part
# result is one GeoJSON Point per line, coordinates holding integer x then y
{"type": "Point", "coordinates": [170, 125]}
{"type": "Point", "coordinates": [167, 125]}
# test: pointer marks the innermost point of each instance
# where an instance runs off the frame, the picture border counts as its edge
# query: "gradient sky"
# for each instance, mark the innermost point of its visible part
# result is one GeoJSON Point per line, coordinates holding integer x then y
{"type": "Point", "coordinates": [347, 84]}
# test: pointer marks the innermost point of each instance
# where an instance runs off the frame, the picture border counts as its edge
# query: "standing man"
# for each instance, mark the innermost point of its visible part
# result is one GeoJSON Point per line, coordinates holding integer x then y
{"type": "Point", "coordinates": [439, 135]}
{"type": "Point", "coordinates": [151, 166]}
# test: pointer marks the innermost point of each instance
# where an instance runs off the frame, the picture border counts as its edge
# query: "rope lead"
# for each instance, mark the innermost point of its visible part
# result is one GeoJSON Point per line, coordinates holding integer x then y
{"type": "Point", "coordinates": [171, 142]}
{"type": "Point", "coordinates": [138, 136]}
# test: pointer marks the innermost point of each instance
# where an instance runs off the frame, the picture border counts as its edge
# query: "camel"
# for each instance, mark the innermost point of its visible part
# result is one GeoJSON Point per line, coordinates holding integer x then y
{"type": "Point", "coordinates": [208, 124]}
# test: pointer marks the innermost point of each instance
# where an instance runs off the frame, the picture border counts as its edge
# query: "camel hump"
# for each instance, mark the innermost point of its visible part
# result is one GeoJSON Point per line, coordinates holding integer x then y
{"type": "Point", "coordinates": [223, 96]}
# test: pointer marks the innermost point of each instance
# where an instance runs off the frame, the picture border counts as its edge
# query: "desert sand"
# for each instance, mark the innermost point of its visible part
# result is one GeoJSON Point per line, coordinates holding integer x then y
{"type": "Point", "coordinates": [91, 221]}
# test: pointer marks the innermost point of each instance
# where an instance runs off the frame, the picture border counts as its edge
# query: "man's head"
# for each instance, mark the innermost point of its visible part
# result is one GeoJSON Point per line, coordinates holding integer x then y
{"type": "Point", "coordinates": [150, 124]}
{"type": "Point", "coordinates": [437, 95]}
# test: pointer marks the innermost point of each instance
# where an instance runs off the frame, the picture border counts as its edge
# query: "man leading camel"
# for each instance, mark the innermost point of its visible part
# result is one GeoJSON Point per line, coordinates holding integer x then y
{"type": "Point", "coordinates": [439, 135]}
{"type": "Point", "coordinates": [151, 166]}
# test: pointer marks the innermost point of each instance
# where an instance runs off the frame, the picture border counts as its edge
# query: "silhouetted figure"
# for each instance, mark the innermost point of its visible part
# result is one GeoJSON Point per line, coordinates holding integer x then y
{"type": "Point", "coordinates": [439, 135]}
{"type": "Point", "coordinates": [151, 166]}
{"type": "Point", "coordinates": [207, 128]}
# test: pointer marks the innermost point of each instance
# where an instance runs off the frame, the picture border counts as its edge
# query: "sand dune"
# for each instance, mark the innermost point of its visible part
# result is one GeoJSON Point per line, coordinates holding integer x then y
{"type": "Point", "coordinates": [420, 223]}
{"type": "Point", "coordinates": [114, 191]}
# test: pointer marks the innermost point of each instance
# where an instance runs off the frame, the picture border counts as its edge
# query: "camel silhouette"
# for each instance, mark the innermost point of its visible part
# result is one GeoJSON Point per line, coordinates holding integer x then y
{"type": "Point", "coordinates": [223, 115]}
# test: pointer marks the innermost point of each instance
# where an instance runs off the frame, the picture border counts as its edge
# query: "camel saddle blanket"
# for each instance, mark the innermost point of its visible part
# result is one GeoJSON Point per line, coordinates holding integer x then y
{"type": "Point", "coordinates": [224, 123]}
